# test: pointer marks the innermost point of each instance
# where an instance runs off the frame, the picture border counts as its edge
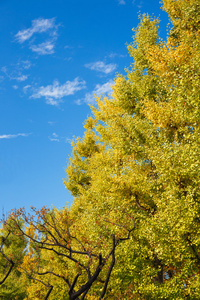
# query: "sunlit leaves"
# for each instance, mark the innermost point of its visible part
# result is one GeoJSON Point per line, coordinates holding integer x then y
{"type": "Point", "coordinates": [135, 178]}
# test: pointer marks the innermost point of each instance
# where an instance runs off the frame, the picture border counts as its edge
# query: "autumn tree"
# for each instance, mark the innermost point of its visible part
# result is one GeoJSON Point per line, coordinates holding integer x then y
{"type": "Point", "coordinates": [142, 160]}
{"type": "Point", "coordinates": [135, 179]}
{"type": "Point", "coordinates": [12, 252]}
{"type": "Point", "coordinates": [60, 261]}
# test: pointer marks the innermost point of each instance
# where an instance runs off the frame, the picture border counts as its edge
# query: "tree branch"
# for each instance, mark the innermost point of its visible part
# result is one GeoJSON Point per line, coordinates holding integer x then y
{"type": "Point", "coordinates": [9, 260]}
{"type": "Point", "coordinates": [110, 269]}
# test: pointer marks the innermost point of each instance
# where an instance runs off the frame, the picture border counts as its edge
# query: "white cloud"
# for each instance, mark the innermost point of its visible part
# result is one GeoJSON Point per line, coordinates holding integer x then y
{"type": "Point", "coordinates": [15, 74]}
{"type": "Point", "coordinates": [104, 88]}
{"type": "Point", "coordinates": [100, 66]}
{"type": "Point", "coordinates": [15, 87]}
{"type": "Point", "coordinates": [100, 89]}
{"type": "Point", "coordinates": [51, 123]}
{"type": "Point", "coordinates": [26, 64]}
{"type": "Point", "coordinates": [140, 5]}
{"type": "Point", "coordinates": [54, 138]}
{"type": "Point", "coordinates": [38, 26]}
{"type": "Point", "coordinates": [113, 55]}
{"type": "Point", "coordinates": [20, 78]}
{"type": "Point", "coordinates": [44, 48]}
{"type": "Point", "coordinates": [55, 92]}
{"type": "Point", "coordinates": [22, 65]}
{"type": "Point", "coordinates": [68, 47]}
{"type": "Point", "coordinates": [68, 58]}
{"type": "Point", "coordinates": [26, 87]}
{"type": "Point", "coordinates": [121, 2]}
{"type": "Point", "coordinates": [11, 136]}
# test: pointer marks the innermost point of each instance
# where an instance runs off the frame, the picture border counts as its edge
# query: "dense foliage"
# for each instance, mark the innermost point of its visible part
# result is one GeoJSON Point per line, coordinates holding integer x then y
{"type": "Point", "coordinates": [133, 231]}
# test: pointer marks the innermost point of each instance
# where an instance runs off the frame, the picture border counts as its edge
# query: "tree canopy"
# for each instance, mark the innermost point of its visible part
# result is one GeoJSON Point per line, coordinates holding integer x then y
{"type": "Point", "coordinates": [133, 230]}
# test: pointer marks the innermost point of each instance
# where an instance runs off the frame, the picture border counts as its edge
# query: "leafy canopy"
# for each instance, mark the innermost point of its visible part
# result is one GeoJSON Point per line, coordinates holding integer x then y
{"type": "Point", "coordinates": [135, 178]}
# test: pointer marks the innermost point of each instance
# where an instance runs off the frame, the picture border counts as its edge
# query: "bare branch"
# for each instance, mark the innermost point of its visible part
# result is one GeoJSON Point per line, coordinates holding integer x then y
{"type": "Point", "coordinates": [110, 270]}
{"type": "Point", "coordinates": [10, 269]}
{"type": "Point", "coordinates": [89, 283]}
{"type": "Point", "coordinates": [5, 256]}
{"type": "Point", "coordinates": [139, 205]}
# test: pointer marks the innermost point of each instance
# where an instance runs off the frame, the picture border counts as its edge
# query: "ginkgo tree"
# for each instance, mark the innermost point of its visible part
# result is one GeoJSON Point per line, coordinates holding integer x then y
{"type": "Point", "coordinates": [135, 179]}
{"type": "Point", "coordinates": [56, 250]}
{"type": "Point", "coordinates": [12, 253]}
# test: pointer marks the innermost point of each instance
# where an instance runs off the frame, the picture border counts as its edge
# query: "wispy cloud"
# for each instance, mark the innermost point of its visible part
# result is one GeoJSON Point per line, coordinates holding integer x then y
{"type": "Point", "coordinates": [44, 48]}
{"type": "Point", "coordinates": [113, 55]}
{"type": "Point", "coordinates": [20, 78]}
{"type": "Point", "coordinates": [100, 89]}
{"type": "Point", "coordinates": [14, 75]}
{"type": "Point", "coordinates": [100, 66]}
{"type": "Point", "coordinates": [55, 92]}
{"type": "Point", "coordinates": [15, 72]}
{"type": "Point", "coordinates": [68, 47]}
{"type": "Point", "coordinates": [38, 26]}
{"type": "Point", "coordinates": [121, 2]}
{"type": "Point", "coordinates": [25, 64]}
{"type": "Point", "coordinates": [138, 3]}
{"type": "Point", "coordinates": [11, 136]}
{"type": "Point", "coordinates": [26, 87]}
{"type": "Point", "coordinates": [51, 123]}
{"type": "Point", "coordinates": [54, 138]}
{"type": "Point", "coordinates": [134, 2]}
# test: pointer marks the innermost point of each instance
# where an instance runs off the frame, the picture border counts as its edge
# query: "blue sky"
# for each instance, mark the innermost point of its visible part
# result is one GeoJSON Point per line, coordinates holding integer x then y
{"type": "Point", "coordinates": [54, 56]}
